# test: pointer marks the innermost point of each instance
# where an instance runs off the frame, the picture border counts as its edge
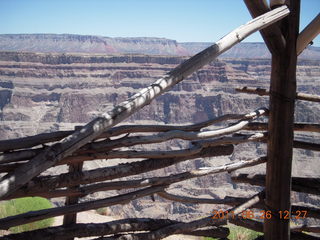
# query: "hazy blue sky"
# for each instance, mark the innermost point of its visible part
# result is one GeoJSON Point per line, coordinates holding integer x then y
{"type": "Point", "coordinates": [182, 20]}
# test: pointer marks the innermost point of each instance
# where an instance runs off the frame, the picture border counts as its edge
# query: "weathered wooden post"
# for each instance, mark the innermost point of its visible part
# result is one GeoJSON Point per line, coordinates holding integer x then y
{"type": "Point", "coordinates": [280, 128]}
{"type": "Point", "coordinates": [69, 219]}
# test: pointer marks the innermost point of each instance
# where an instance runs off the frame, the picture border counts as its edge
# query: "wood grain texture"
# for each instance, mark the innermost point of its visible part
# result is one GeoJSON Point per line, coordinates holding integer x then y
{"type": "Point", "coordinates": [280, 128]}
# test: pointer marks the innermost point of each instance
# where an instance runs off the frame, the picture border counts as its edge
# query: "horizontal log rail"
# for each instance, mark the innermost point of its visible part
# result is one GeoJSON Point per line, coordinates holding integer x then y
{"type": "Point", "coordinates": [192, 152]}
{"type": "Point", "coordinates": [258, 227]}
{"type": "Point", "coordinates": [102, 152]}
{"type": "Point", "coordinates": [43, 138]}
{"type": "Point", "coordinates": [44, 190]}
{"type": "Point", "coordinates": [8, 222]}
{"type": "Point", "coordinates": [217, 232]}
{"type": "Point", "coordinates": [213, 232]}
{"type": "Point", "coordinates": [306, 145]}
{"type": "Point", "coordinates": [299, 184]}
{"type": "Point", "coordinates": [295, 209]}
{"type": "Point", "coordinates": [211, 148]}
{"type": "Point", "coordinates": [121, 170]}
{"type": "Point", "coordinates": [184, 199]}
{"type": "Point", "coordinates": [109, 228]}
{"type": "Point", "coordinates": [97, 150]}
{"type": "Point", "coordinates": [49, 157]}
{"type": "Point", "coordinates": [87, 230]}
{"type": "Point", "coordinates": [189, 153]}
{"type": "Point", "coordinates": [180, 228]}
{"type": "Point", "coordinates": [175, 134]}
{"type": "Point", "coordinates": [265, 92]}
{"type": "Point", "coordinates": [299, 127]}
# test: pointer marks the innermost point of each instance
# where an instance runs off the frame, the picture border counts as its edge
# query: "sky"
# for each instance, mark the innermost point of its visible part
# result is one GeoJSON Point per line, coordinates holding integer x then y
{"type": "Point", "coordinates": [181, 20]}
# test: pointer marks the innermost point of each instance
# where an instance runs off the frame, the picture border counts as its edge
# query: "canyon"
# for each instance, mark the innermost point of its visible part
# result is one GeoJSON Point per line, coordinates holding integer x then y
{"type": "Point", "coordinates": [56, 82]}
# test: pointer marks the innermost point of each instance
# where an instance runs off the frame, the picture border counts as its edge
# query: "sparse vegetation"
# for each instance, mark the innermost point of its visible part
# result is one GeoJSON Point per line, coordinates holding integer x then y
{"type": "Point", "coordinates": [22, 205]}
{"type": "Point", "coordinates": [239, 233]}
{"type": "Point", "coordinates": [105, 211]}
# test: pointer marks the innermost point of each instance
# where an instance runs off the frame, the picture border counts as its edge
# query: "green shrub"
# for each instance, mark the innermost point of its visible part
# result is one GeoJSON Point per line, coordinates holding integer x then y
{"type": "Point", "coordinates": [105, 211]}
{"type": "Point", "coordinates": [23, 205]}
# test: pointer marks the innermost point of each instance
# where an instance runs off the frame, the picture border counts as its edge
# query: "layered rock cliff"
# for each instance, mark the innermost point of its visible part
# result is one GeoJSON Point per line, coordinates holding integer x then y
{"type": "Point", "coordinates": [72, 43]}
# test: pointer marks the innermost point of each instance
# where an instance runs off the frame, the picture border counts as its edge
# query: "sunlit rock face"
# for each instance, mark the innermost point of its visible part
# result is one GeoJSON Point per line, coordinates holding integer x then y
{"type": "Point", "coordinates": [43, 92]}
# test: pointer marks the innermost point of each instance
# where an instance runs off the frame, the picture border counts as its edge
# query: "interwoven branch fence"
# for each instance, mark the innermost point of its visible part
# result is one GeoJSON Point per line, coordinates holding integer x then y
{"type": "Point", "coordinates": [23, 160]}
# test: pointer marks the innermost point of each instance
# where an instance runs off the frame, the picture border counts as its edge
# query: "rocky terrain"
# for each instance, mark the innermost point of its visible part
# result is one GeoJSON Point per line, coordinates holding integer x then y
{"type": "Point", "coordinates": [43, 92]}
{"type": "Point", "coordinates": [72, 43]}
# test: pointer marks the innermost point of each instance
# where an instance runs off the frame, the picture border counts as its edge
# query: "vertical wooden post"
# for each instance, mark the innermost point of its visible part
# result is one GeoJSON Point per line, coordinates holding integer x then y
{"type": "Point", "coordinates": [281, 119]}
{"type": "Point", "coordinates": [72, 218]}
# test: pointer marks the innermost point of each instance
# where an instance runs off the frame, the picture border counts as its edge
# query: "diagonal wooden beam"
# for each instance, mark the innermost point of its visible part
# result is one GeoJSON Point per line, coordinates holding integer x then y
{"type": "Point", "coordinates": [271, 35]}
{"type": "Point", "coordinates": [46, 159]}
{"type": "Point", "coordinates": [308, 34]}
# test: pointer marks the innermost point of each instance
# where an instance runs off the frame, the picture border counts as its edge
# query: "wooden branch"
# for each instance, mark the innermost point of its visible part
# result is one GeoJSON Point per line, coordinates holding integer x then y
{"type": "Point", "coordinates": [183, 199]}
{"type": "Point", "coordinates": [264, 92]}
{"type": "Point", "coordinates": [31, 141]}
{"type": "Point", "coordinates": [308, 34]}
{"type": "Point", "coordinates": [8, 222]}
{"type": "Point", "coordinates": [69, 219]}
{"type": "Point", "coordinates": [97, 150]}
{"type": "Point", "coordinates": [161, 137]}
{"type": "Point", "coordinates": [306, 145]}
{"type": "Point", "coordinates": [4, 168]}
{"type": "Point", "coordinates": [196, 149]}
{"type": "Point", "coordinates": [48, 158]}
{"type": "Point", "coordinates": [181, 228]}
{"type": "Point", "coordinates": [18, 156]}
{"type": "Point", "coordinates": [303, 127]}
{"type": "Point", "coordinates": [305, 228]}
{"type": "Point", "coordinates": [91, 229]}
{"type": "Point", "coordinates": [190, 152]}
{"type": "Point", "coordinates": [210, 149]}
{"type": "Point", "coordinates": [306, 185]}
{"type": "Point", "coordinates": [131, 141]}
{"type": "Point", "coordinates": [271, 35]}
{"type": "Point", "coordinates": [214, 232]}
{"type": "Point", "coordinates": [43, 188]}
{"type": "Point", "coordinates": [122, 170]}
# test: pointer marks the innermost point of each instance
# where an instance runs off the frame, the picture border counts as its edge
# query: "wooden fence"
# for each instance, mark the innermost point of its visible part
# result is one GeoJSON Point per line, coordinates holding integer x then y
{"type": "Point", "coordinates": [23, 160]}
